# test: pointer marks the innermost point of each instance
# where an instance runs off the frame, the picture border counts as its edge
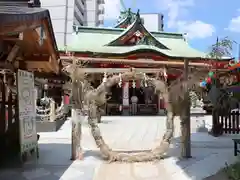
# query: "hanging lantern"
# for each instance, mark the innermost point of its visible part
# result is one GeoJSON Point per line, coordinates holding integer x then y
{"type": "Point", "coordinates": [105, 78]}
{"type": "Point", "coordinates": [134, 84]}
{"type": "Point", "coordinates": [165, 74]}
{"type": "Point", "coordinates": [120, 81]}
{"type": "Point", "coordinates": [214, 75]}
{"type": "Point", "coordinates": [210, 74]}
{"type": "Point", "coordinates": [145, 79]}
{"type": "Point", "coordinates": [203, 84]}
{"type": "Point", "coordinates": [209, 80]}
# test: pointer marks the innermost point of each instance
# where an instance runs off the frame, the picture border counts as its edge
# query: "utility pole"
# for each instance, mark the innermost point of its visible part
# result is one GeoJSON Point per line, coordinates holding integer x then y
{"type": "Point", "coordinates": [185, 117]}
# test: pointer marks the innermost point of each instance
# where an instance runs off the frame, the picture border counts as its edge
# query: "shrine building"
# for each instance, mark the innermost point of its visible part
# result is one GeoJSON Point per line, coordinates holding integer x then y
{"type": "Point", "coordinates": [129, 44]}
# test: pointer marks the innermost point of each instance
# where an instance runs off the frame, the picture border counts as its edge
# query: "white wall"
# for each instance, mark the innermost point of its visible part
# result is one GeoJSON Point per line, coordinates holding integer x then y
{"type": "Point", "coordinates": [62, 16]}
{"type": "Point", "coordinates": [92, 12]}
{"type": "Point", "coordinates": [152, 22]}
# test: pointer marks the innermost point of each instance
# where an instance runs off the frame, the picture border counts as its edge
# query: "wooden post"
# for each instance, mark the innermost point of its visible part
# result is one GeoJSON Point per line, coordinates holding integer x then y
{"type": "Point", "coordinates": [76, 136]}
{"type": "Point", "coordinates": [77, 115]}
{"type": "Point", "coordinates": [52, 111]}
{"type": "Point", "coordinates": [185, 117]}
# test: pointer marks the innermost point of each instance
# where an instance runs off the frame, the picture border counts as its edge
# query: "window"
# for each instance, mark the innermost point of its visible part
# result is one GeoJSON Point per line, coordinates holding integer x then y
{"type": "Point", "coordinates": [100, 2]}
{"type": "Point", "coordinates": [101, 11]}
{"type": "Point", "coordinates": [162, 17]}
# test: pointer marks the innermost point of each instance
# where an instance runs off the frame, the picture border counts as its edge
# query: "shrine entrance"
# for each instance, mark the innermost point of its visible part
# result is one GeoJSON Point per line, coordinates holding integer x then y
{"type": "Point", "coordinates": [143, 101]}
{"type": "Point", "coordinates": [135, 100]}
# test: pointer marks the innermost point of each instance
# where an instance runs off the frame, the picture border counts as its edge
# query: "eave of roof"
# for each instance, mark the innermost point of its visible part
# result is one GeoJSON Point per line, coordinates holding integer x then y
{"type": "Point", "coordinates": [22, 14]}
{"type": "Point", "coordinates": [121, 22]}
{"type": "Point", "coordinates": [131, 49]}
{"type": "Point", "coordinates": [96, 40]}
{"type": "Point", "coordinates": [127, 19]}
{"type": "Point", "coordinates": [110, 30]}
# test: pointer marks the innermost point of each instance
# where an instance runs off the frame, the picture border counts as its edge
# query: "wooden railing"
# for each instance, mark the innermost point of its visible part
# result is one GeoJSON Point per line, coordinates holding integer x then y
{"type": "Point", "coordinates": [142, 109]}
{"type": "Point", "coordinates": [147, 109]}
{"type": "Point", "coordinates": [226, 123]}
{"type": "Point", "coordinates": [113, 109]}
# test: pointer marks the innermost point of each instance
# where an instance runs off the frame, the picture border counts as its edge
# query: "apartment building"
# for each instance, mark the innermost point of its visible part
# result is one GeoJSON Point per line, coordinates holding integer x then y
{"type": "Point", "coordinates": [153, 21]}
{"type": "Point", "coordinates": [65, 14]}
{"type": "Point", "coordinates": [95, 12]}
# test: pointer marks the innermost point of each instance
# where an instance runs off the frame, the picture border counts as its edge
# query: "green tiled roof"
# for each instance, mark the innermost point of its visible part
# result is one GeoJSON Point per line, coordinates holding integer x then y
{"type": "Point", "coordinates": [94, 40]}
{"type": "Point", "coordinates": [125, 18]}
{"type": "Point", "coordinates": [100, 40]}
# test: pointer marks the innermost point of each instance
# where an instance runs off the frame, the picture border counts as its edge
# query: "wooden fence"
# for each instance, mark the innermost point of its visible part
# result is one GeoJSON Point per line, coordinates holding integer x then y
{"type": "Point", "coordinates": [228, 123]}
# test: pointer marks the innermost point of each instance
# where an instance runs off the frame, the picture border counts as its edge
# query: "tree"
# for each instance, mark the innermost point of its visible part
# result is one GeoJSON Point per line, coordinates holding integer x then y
{"type": "Point", "coordinates": [221, 49]}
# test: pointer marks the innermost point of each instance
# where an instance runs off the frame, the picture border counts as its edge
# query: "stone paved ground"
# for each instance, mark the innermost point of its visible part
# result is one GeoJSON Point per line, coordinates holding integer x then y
{"type": "Point", "coordinates": [125, 133]}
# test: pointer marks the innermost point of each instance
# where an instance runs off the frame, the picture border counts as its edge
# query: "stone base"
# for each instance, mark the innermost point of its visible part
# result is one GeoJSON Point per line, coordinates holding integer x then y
{"type": "Point", "coordinates": [50, 126]}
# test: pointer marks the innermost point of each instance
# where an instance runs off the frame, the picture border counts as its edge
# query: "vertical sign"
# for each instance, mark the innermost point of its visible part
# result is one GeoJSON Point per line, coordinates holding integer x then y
{"type": "Point", "coordinates": [126, 94]}
{"type": "Point", "coordinates": [27, 113]}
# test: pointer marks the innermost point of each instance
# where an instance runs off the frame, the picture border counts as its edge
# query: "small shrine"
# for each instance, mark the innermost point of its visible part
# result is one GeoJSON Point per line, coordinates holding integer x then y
{"type": "Point", "coordinates": [28, 48]}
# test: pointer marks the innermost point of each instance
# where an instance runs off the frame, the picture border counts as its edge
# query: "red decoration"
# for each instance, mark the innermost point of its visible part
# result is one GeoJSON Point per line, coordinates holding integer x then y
{"type": "Point", "coordinates": [129, 84]}
{"type": "Point", "coordinates": [66, 99]}
{"type": "Point", "coordinates": [126, 66]}
{"type": "Point", "coordinates": [209, 80]}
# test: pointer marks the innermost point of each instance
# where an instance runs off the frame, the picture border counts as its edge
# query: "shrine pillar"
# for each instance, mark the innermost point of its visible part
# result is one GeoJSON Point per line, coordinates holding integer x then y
{"type": "Point", "coordinates": [125, 98]}
{"type": "Point", "coordinates": [161, 105]}
{"type": "Point", "coordinates": [66, 98]}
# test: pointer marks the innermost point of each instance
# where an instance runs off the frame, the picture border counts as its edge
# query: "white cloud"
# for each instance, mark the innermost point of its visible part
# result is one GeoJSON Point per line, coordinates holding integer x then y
{"type": "Point", "coordinates": [234, 24]}
{"type": "Point", "coordinates": [177, 10]}
{"type": "Point", "coordinates": [196, 29]}
{"type": "Point", "coordinates": [112, 9]}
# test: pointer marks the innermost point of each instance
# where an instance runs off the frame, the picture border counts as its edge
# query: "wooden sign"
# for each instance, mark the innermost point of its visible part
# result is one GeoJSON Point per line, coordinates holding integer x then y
{"type": "Point", "coordinates": [27, 113]}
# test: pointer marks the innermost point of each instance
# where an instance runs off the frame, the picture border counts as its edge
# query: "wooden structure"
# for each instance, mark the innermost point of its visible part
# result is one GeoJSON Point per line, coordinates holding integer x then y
{"type": "Point", "coordinates": [130, 44]}
{"type": "Point", "coordinates": [236, 145]}
{"type": "Point", "coordinates": [228, 124]}
{"type": "Point", "coordinates": [226, 115]}
{"type": "Point", "coordinates": [26, 42]}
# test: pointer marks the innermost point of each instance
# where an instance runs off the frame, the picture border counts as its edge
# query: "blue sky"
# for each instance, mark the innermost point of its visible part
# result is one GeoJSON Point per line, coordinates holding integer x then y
{"type": "Point", "coordinates": [203, 20]}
